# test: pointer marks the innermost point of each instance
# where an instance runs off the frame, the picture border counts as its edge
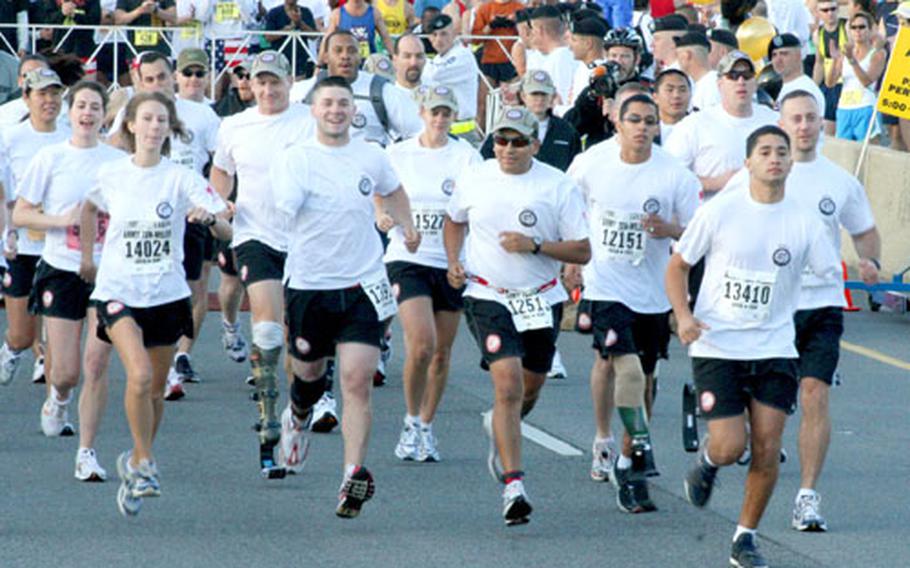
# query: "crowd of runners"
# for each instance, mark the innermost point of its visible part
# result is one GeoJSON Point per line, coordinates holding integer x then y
{"type": "Point", "coordinates": [341, 202]}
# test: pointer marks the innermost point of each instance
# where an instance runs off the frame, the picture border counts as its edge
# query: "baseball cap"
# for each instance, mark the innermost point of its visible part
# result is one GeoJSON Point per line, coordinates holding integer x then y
{"type": "Point", "coordinates": [518, 119]}
{"type": "Point", "coordinates": [781, 41]}
{"type": "Point", "coordinates": [271, 62]}
{"type": "Point", "coordinates": [724, 37]}
{"type": "Point", "coordinates": [671, 23]}
{"type": "Point", "coordinates": [729, 60]}
{"type": "Point", "coordinates": [537, 81]}
{"type": "Point", "coordinates": [439, 22]}
{"type": "Point", "coordinates": [192, 56]}
{"type": "Point", "coordinates": [38, 79]}
{"type": "Point", "coordinates": [691, 39]}
{"type": "Point", "coordinates": [439, 96]}
{"type": "Point", "coordinates": [379, 64]}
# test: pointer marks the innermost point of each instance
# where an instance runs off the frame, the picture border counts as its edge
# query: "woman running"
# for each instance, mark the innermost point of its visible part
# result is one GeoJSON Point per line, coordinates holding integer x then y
{"type": "Point", "coordinates": [141, 290]}
{"type": "Point", "coordinates": [49, 198]}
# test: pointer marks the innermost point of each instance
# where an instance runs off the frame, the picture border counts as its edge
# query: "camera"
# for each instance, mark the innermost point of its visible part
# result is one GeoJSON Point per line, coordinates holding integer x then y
{"type": "Point", "coordinates": [605, 79]}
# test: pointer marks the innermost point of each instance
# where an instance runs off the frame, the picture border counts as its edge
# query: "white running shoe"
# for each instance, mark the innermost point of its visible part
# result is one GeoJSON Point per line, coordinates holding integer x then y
{"type": "Point", "coordinates": [516, 508]}
{"type": "Point", "coordinates": [325, 417]}
{"type": "Point", "coordinates": [87, 467]}
{"type": "Point", "coordinates": [173, 390]}
{"type": "Point", "coordinates": [604, 456]}
{"type": "Point", "coordinates": [38, 371]}
{"type": "Point", "coordinates": [806, 515]}
{"type": "Point", "coordinates": [9, 364]}
{"type": "Point", "coordinates": [233, 342]}
{"type": "Point", "coordinates": [294, 445]}
{"type": "Point", "coordinates": [55, 416]}
{"type": "Point", "coordinates": [493, 464]}
{"type": "Point", "coordinates": [557, 369]}
{"type": "Point", "coordinates": [408, 448]}
{"type": "Point", "coordinates": [428, 451]}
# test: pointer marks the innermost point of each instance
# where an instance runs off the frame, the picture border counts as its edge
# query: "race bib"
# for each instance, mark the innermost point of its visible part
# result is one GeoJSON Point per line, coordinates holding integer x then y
{"type": "Point", "coordinates": [73, 237]}
{"type": "Point", "coordinates": [623, 236]}
{"type": "Point", "coordinates": [379, 291]}
{"type": "Point", "coordinates": [191, 31]}
{"type": "Point", "coordinates": [145, 38]}
{"type": "Point", "coordinates": [183, 155]}
{"type": "Point", "coordinates": [529, 310]}
{"type": "Point", "coordinates": [148, 246]}
{"type": "Point", "coordinates": [428, 223]}
{"type": "Point", "coordinates": [364, 49]}
{"type": "Point", "coordinates": [226, 12]}
{"type": "Point", "coordinates": [851, 97]}
{"type": "Point", "coordinates": [746, 294]}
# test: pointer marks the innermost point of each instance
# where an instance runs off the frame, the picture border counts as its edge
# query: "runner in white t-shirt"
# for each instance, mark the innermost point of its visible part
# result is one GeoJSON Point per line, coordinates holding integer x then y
{"type": "Point", "coordinates": [338, 296]}
{"type": "Point", "coordinates": [429, 308]}
{"type": "Point", "coordinates": [50, 195]}
{"type": "Point", "coordinates": [522, 219]}
{"type": "Point", "coordinates": [43, 95]}
{"type": "Point", "coordinates": [140, 287]}
{"type": "Point", "coordinates": [247, 144]}
{"type": "Point", "coordinates": [756, 244]}
{"type": "Point", "coordinates": [631, 232]}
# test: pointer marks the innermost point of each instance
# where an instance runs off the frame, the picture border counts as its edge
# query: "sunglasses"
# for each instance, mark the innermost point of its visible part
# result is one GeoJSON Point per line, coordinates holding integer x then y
{"type": "Point", "coordinates": [199, 74]}
{"type": "Point", "coordinates": [515, 142]}
{"type": "Point", "coordinates": [635, 119]}
{"type": "Point", "coordinates": [737, 75]}
{"type": "Point", "coordinates": [241, 75]}
{"type": "Point", "coordinates": [859, 27]}
{"type": "Point", "coordinates": [831, 9]}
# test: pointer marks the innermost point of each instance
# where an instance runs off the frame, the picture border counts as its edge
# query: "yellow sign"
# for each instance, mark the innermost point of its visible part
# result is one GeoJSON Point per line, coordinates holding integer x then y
{"type": "Point", "coordinates": [226, 12]}
{"type": "Point", "coordinates": [145, 38]}
{"type": "Point", "coordinates": [894, 98]}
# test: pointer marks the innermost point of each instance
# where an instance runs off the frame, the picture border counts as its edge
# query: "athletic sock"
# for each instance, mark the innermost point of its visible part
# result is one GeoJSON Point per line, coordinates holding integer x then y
{"type": "Point", "coordinates": [803, 492]}
{"type": "Point", "coordinates": [743, 530]}
{"type": "Point", "coordinates": [412, 421]}
{"type": "Point", "coordinates": [623, 462]}
{"type": "Point", "coordinates": [510, 476]}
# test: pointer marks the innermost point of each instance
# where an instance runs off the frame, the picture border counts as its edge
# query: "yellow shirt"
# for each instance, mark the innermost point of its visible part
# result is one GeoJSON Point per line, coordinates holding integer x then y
{"type": "Point", "coordinates": [393, 15]}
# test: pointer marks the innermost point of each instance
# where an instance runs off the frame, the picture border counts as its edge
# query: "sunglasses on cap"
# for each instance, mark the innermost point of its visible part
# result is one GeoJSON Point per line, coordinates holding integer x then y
{"type": "Point", "coordinates": [199, 73]}
{"type": "Point", "coordinates": [514, 141]}
{"type": "Point", "coordinates": [746, 74]}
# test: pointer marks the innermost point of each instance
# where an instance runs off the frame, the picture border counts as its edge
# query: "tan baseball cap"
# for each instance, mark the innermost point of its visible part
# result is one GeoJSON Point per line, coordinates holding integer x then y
{"type": "Point", "coordinates": [439, 96]}
{"type": "Point", "coordinates": [379, 64]}
{"type": "Point", "coordinates": [192, 56]}
{"type": "Point", "coordinates": [729, 60]}
{"type": "Point", "coordinates": [519, 119]}
{"type": "Point", "coordinates": [38, 79]}
{"type": "Point", "coordinates": [271, 62]}
{"type": "Point", "coordinates": [538, 81]}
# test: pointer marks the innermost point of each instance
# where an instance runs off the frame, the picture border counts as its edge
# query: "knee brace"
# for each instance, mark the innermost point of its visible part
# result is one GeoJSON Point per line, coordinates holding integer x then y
{"type": "Point", "coordinates": [305, 394]}
{"type": "Point", "coordinates": [268, 335]}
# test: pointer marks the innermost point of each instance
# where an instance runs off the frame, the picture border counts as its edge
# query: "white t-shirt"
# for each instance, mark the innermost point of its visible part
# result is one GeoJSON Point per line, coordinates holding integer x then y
{"type": "Point", "coordinates": [543, 202]}
{"type": "Point", "coordinates": [711, 142]}
{"type": "Point", "coordinates": [790, 16]}
{"type": "Point", "coordinates": [142, 261]}
{"type": "Point", "coordinates": [580, 81]}
{"type": "Point", "coordinates": [203, 123]}
{"type": "Point", "coordinates": [561, 65]}
{"type": "Point", "coordinates": [247, 144]}
{"type": "Point", "coordinates": [837, 199]}
{"type": "Point", "coordinates": [627, 265]}
{"type": "Point", "coordinates": [428, 176]}
{"type": "Point", "coordinates": [327, 192]}
{"type": "Point", "coordinates": [20, 144]}
{"type": "Point", "coordinates": [705, 92]}
{"type": "Point", "coordinates": [58, 179]}
{"type": "Point", "coordinates": [803, 83]}
{"type": "Point", "coordinates": [221, 18]}
{"type": "Point", "coordinates": [457, 69]}
{"type": "Point", "coordinates": [754, 257]}
{"type": "Point", "coordinates": [404, 119]}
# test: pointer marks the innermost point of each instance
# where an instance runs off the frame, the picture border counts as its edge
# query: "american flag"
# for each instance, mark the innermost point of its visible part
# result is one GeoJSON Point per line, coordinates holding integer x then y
{"type": "Point", "coordinates": [228, 50]}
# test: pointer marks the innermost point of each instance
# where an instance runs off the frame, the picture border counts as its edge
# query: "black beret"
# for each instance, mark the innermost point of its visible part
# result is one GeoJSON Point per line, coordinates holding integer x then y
{"type": "Point", "coordinates": [691, 39]}
{"type": "Point", "coordinates": [591, 26]}
{"type": "Point", "coordinates": [671, 23]}
{"type": "Point", "coordinates": [781, 41]}
{"type": "Point", "coordinates": [545, 11]}
{"type": "Point", "coordinates": [440, 22]}
{"type": "Point", "coordinates": [725, 37]}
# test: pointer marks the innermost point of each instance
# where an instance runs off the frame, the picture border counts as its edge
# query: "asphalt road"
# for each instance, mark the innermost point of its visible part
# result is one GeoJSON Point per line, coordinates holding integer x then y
{"type": "Point", "coordinates": [216, 510]}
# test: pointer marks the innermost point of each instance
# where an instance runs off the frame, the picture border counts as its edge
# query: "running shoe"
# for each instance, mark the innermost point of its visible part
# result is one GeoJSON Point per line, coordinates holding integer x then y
{"type": "Point", "coordinates": [356, 489]}
{"type": "Point", "coordinates": [173, 390]}
{"type": "Point", "coordinates": [38, 377]}
{"type": "Point", "coordinates": [603, 459]}
{"type": "Point", "coordinates": [294, 445]}
{"type": "Point", "coordinates": [557, 369]}
{"type": "Point", "coordinates": [127, 503]}
{"type": "Point", "coordinates": [516, 509]}
{"type": "Point", "coordinates": [699, 482]}
{"type": "Point", "coordinates": [428, 451]}
{"type": "Point", "coordinates": [55, 416]}
{"type": "Point", "coordinates": [493, 464]}
{"type": "Point", "coordinates": [385, 354]}
{"type": "Point", "coordinates": [146, 483]}
{"type": "Point", "coordinates": [184, 369]}
{"type": "Point", "coordinates": [745, 554]}
{"type": "Point", "coordinates": [87, 466]}
{"type": "Point", "coordinates": [233, 342]}
{"type": "Point", "coordinates": [625, 491]}
{"type": "Point", "coordinates": [325, 417]}
{"type": "Point", "coordinates": [642, 493]}
{"type": "Point", "coordinates": [806, 516]}
{"type": "Point", "coordinates": [250, 381]}
{"type": "Point", "coordinates": [408, 448]}
{"type": "Point", "coordinates": [9, 364]}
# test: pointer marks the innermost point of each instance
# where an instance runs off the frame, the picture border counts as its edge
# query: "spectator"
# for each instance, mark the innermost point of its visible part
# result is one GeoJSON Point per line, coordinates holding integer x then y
{"type": "Point", "coordinates": [548, 32]}
{"type": "Point", "coordinates": [421, 5]}
{"type": "Point", "coordinates": [291, 17]}
{"type": "Point", "coordinates": [617, 13]}
{"type": "Point", "coordinates": [858, 67]}
{"type": "Point", "coordinates": [240, 95]}
{"type": "Point", "coordinates": [364, 22]}
{"type": "Point", "coordinates": [831, 37]}
{"type": "Point", "coordinates": [692, 51]}
{"type": "Point", "coordinates": [429, 14]}
{"type": "Point", "coordinates": [72, 12]}
{"type": "Point", "coordinates": [398, 16]}
{"type": "Point", "coordinates": [673, 95]}
{"type": "Point", "coordinates": [455, 67]}
{"type": "Point", "coordinates": [722, 43]}
{"type": "Point", "coordinates": [495, 18]}
{"type": "Point", "coordinates": [224, 23]}
{"type": "Point", "coordinates": [9, 11]}
{"type": "Point", "coordinates": [409, 61]}
{"type": "Point", "coordinates": [107, 38]}
{"type": "Point", "coordinates": [146, 13]}
{"type": "Point", "coordinates": [9, 66]}
{"type": "Point", "coordinates": [786, 58]}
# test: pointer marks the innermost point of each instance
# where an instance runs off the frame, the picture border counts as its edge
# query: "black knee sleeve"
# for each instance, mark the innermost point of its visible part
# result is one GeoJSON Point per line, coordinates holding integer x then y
{"type": "Point", "coordinates": [304, 395]}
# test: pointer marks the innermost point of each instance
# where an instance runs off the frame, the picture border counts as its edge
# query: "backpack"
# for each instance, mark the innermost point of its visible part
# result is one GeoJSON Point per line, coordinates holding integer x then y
{"type": "Point", "coordinates": [377, 83]}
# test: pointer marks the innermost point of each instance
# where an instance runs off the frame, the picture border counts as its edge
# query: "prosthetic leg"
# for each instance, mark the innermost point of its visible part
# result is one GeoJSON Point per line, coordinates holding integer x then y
{"type": "Point", "coordinates": [689, 421]}
{"type": "Point", "coordinates": [264, 363]}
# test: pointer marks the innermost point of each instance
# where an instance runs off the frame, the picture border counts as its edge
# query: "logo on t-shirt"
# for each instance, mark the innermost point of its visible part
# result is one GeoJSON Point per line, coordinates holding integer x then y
{"type": "Point", "coordinates": [827, 206]}
{"type": "Point", "coordinates": [164, 210]}
{"type": "Point", "coordinates": [527, 218]}
{"type": "Point", "coordinates": [365, 186]}
{"type": "Point", "coordinates": [781, 256]}
{"type": "Point", "coordinates": [448, 186]}
{"type": "Point", "coordinates": [359, 120]}
{"type": "Point", "coordinates": [651, 206]}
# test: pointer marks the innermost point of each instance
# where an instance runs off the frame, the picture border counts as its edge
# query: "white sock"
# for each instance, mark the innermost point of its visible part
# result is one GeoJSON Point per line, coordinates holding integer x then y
{"type": "Point", "coordinates": [349, 469]}
{"type": "Point", "coordinates": [231, 327]}
{"type": "Point", "coordinates": [603, 441]}
{"type": "Point", "coordinates": [805, 492]}
{"type": "Point", "coordinates": [742, 530]}
{"type": "Point", "coordinates": [59, 399]}
{"type": "Point", "coordinates": [426, 426]}
{"type": "Point", "coordinates": [624, 462]}
{"type": "Point", "coordinates": [412, 421]}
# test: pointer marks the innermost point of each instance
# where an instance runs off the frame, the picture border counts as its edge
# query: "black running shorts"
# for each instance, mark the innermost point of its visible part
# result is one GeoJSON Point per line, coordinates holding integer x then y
{"type": "Point", "coordinates": [257, 262]}
{"type": "Point", "coordinates": [493, 330]}
{"type": "Point", "coordinates": [161, 325]}
{"type": "Point", "coordinates": [194, 250]}
{"type": "Point", "coordinates": [726, 387]}
{"type": "Point", "coordinates": [20, 276]}
{"type": "Point", "coordinates": [410, 280]}
{"type": "Point", "coordinates": [224, 256]}
{"type": "Point", "coordinates": [59, 293]}
{"type": "Point", "coordinates": [318, 320]}
{"type": "Point", "coordinates": [818, 334]}
{"type": "Point", "coordinates": [618, 331]}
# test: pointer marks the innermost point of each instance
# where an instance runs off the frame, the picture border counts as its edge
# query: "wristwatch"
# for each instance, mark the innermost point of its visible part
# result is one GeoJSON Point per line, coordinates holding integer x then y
{"type": "Point", "coordinates": [875, 262]}
{"type": "Point", "coordinates": [538, 242]}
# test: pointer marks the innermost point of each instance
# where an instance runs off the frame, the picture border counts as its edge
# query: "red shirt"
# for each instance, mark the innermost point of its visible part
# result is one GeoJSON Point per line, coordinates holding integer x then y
{"type": "Point", "coordinates": [660, 8]}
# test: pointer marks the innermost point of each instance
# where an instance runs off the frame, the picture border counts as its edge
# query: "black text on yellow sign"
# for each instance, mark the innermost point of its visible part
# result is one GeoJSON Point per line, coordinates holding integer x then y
{"type": "Point", "coordinates": [894, 98]}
